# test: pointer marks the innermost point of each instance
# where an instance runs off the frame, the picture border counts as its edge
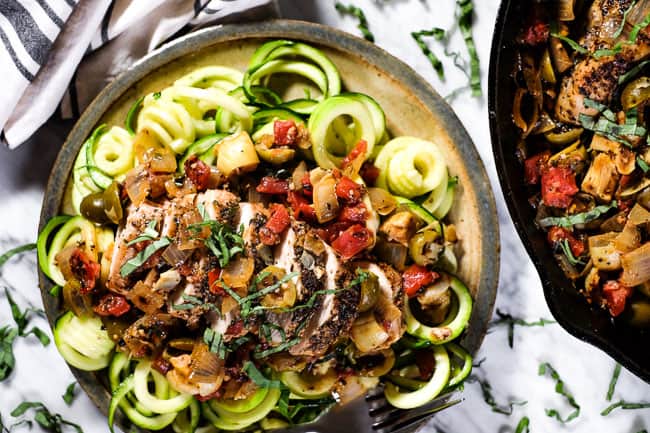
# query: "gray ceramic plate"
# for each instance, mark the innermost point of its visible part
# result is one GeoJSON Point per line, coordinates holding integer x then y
{"type": "Point", "coordinates": [412, 107]}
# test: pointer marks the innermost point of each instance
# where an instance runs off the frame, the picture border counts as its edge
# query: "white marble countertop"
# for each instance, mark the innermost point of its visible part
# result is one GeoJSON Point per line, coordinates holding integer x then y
{"type": "Point", "coordinates": [42, 375]}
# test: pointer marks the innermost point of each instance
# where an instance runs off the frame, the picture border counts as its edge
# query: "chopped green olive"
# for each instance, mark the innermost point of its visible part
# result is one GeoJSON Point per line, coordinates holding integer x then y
{"type": "Point", "coordinates": [425, 247]}
{"type": "Point", "coordinates": [275, 155]}
{"type": "Point", "coordinates": [284, 296]}
{"type": "Point", "coordinates": [635, 93]}
{"type": "Point", "coordinates": [369, 293]}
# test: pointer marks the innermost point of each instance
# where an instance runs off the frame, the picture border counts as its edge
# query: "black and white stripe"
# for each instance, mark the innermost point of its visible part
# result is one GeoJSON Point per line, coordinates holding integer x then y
{"type": "Point", "coordinates": [28, 29]}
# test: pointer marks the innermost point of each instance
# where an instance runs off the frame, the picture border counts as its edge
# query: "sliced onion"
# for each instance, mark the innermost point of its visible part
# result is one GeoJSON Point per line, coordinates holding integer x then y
{"type": "Point", "coordinates": [74, 300]}
{"type": "Point", "coordinates": [636, 266]}
{"type": "Point", "coordinates": [149, 151]}
{"type": "Point", "coordinates": [367, 334]}
{"type": "Point", "coordinates": [326, 204]}
{"type": "Point", "coordinates": [392, 253]}
{"type": "Point", "coordinates": [145, 298]}
{"type": "Point", "coordinates": [565, 10]}
{"type": "Point", "coordinates": [298, 175]}
{"type": "Point", "coordinates": [238, 272]}
{"type": "Point", "coordinates": [137, 185]}
{"type": "Point", "coordinates": [174, 255]}
{"type": "Point", "coordinates": [382, 201]}
{"type": "Point", "coordinates": [207, 369]}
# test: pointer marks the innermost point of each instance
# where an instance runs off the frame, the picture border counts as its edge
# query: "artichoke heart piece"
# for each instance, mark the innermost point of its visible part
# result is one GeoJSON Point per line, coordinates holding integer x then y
{"type": "Point", "coordinates": [601, 179]}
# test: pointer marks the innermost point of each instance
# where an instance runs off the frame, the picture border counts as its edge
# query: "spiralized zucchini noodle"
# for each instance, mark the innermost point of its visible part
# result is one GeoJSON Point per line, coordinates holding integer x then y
{"type": "Point", "coordinates": [234, 258]}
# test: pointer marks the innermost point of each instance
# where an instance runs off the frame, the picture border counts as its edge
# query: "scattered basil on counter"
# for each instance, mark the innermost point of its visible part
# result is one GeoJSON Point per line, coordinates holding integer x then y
{"type": "Point", "coordinates": [510, 321]}
{"type": "Point", "coordinates": [612, 383]}
{"type": "Point", "coordinates": [624, 405]}
{"type": "Point", "coordinates": [358, 13]}
{"type": "Point", "coordinates": [438, 34]}
{"type": "Point", "coordinates": [43, 417]}
{"type": "Point", "coordinates": [465, 21]}
{"type": "Point", "coordinates": [69, 395]}
{"type": "Point", "coordinates": [488, 397]}
{"type": "Point", "coordinates": [559, 388]}
{"type": "Point", "coordinates": [15, 251]}
{"type": "Point", "coordinates": [22, 320]}
{"type": "Point", "coordinates": [7, 360]}
{"type": "Point", "coordinates": [523, 426]}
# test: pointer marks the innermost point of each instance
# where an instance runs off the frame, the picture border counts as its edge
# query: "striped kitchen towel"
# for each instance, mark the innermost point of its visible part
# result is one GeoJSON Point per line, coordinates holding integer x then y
{"type": "Point", "coordinates": [56, 55]}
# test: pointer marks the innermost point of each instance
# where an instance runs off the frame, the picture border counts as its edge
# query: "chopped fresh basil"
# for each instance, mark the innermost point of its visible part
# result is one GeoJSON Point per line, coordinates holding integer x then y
{"type": "Point", "coordinates": [559, 388]}
{"type": "Point", "coordinates": [156, 95]}
{"type": "Point", "coordinates": [215, 342]}
{"type": "Point", "coordinates": [608, 51]}
{"type": "Point", "coordinates": [555, 32]}
{"type": "Point", "coordinates": [637, 28]}
{"type": "Point", "coordinates": [223, 241]}
{"type": "Point", "coordinates": [49, 421]}
{"type": "Point", "coordinates": [279, 348]}
{"type": "Point", "coordinates": [624, 405]}
{"type": "Point", "coordinates": [14, 251]}
{"type": "Point", "coordinates": [510, 321]}
{"type": "Point", "coordinates": [137, 261]}
{"type": "Point", "coordinates": [579, 218]}
{"type": "Point", "coordinates": [465, 20]}
{"type": "Point", "coordinates": [438, 34]}
{"type": "Point", "coordinates": [642, 164]}
{"type": "Point", "coordinates": [612, 383]}
{"type": "Point", "coordinates": [258, 378]}
{"type": "Point", "coordinates": [566, 249]}
{"type": "Point", "coordinates": [633, 72]}
{"type": "Point", "coordinates": [523, 425]}
{"type": "Point", "coordinates": [358, 13]}
{"type": "Point", "coordinates": [69, 395]}
{"type": "Point", "coordinates": [22, 320]}
{"type": "Point", "coordinates": [150, 233]}
{"type": "Point", "coordinates": [486, 390]}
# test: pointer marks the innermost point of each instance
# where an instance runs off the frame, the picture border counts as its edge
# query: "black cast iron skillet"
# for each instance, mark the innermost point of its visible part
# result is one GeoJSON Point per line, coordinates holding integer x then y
{"type": "Point", "coordinates": [570, 309]}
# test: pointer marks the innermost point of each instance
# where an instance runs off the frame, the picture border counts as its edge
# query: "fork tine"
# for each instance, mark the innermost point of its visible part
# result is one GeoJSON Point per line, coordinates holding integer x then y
{"type": "Point", "coordinates": [382, 414]}
{"type": "Point", "coordinates": [408, 419]}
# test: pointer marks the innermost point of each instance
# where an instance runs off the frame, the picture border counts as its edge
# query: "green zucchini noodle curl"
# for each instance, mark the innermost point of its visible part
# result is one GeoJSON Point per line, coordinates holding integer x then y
{"type": "Point", "coordinates": [83, 342]}
{"type": "Point", "coordinates": [411, 166]}
{"type": "Point", "coordinates": [113, 153]}
{"type": "Point", "coordinates": [331, 134]}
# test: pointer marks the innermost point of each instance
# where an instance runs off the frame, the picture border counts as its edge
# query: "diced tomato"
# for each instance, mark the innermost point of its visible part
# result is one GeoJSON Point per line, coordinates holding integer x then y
{"type": "Point", "coordinates": [353, 213]}
{"type": "Point", "coordinates": [213, 281]}
{"type": "Point", "coordinates": [235, 328]}
{"type": "Point", "coordinates": [559, 234]}
{"type": "Point", "coordinates": [276, 225]}
{"type": "Point", "coordinates": [307, 187]}
{"type": "Point", "coordinates": [333, 230]}
{"type": "Point", "coordinates": [537, 33]}
{"type": "Point", "coordinates": [273, 185]}
{"type": "Point", "coordinates": [204, 398]}
{"type": "Point", "coordinates": [198, 172]}
{"type": "Point", "coordinates": [348, 190]}
{"type": "Point", "coordinates": [112, 305]}
{"type": "Point", "coordinates": [352, 241]}
{"type": "Point", "coordinates": [369, 173]}
{"type": "Point", "coordinates": [301, 206]}
{"type": "Point", "coordinates": [358, 151]}
{"type": "Point", "coordinates": [417, 277]}
{"type": "Point", "coordinates": [84, 269]}
{"type": "Point", "coordinates": [285, 132]}
{"type": "Point", "coordinates": [558, 186]}
{"type": "Point", "coordinates": [616, 295]}
{"type": "Point", "coordinates": [625, 205]}
{"type": "Point", "coordinates": [533, 167]}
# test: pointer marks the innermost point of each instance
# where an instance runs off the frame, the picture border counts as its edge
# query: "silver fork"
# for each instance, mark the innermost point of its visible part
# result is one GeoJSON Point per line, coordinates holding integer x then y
{"type": "Point", "coordinates": [373, 415]}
